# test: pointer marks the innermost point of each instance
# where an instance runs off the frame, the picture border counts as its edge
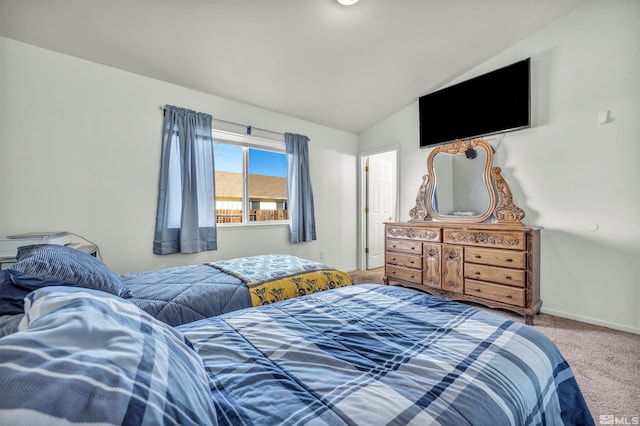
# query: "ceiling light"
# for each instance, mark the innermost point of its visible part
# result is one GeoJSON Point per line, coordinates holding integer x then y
{"type": "Point", "coordinates": [347, 2]}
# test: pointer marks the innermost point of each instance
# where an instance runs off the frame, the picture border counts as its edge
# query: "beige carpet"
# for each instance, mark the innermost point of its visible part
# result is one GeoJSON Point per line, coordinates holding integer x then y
{"type": "Point", "coordinates": [606, 362]}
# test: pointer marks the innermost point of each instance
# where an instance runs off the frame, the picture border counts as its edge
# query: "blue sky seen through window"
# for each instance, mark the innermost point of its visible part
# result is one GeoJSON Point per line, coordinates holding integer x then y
{"type": "Point", "coordinates": [228, 158]}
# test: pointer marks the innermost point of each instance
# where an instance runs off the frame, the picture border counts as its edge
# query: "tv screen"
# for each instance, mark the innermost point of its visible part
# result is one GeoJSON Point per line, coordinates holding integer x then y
{"type": "Point", "coordinates": [491, 103]}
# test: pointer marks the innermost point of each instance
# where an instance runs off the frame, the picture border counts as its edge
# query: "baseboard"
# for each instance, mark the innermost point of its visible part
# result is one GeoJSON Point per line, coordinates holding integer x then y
{"type": "Point", "coordinates": [593, 321]}
{"type": "Point", "coordinates": [347, 270]}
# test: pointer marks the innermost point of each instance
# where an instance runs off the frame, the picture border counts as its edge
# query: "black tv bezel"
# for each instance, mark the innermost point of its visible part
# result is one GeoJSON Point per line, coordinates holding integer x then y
{"type": "Point", "coordinates": [428, 143]}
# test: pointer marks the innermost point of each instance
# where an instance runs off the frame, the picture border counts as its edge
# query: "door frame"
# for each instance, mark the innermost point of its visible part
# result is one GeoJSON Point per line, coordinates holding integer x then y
{"type": "Point", "coordinates": [362, 197]}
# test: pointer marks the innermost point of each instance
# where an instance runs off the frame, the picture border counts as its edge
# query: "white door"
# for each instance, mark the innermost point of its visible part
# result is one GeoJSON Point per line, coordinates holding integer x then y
{"type": "Point", "coordinates": [380, 205]}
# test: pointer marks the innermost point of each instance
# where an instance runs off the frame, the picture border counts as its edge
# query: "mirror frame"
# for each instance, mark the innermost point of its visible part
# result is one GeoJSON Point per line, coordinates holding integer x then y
{"type": "Point", "coordinates": [456, 147]}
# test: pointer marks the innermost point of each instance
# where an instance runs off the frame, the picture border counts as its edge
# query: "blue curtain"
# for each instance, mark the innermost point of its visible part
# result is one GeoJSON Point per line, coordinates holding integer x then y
{"type": "Point", "coordinates": [186, 216]}
{"type": "Point", "coordinates": [299, 192]}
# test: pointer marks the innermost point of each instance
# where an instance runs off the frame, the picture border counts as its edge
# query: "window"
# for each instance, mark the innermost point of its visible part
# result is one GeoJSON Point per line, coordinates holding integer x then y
{"type": "Point", "coordinates": [251, 179]}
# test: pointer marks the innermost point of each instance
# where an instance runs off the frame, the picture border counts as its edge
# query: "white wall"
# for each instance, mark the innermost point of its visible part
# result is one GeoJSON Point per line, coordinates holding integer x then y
{"type": "Point", "coordinates": [568, 173]}
{"type": "Point", "coordinates": [2, 160]}
{"type": "Point", "coordinates": [80, 151]}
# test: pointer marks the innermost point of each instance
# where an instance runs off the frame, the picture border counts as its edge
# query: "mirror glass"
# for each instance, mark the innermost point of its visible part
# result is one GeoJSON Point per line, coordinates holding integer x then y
{"type": "Point", "coordinates": [460, 187]}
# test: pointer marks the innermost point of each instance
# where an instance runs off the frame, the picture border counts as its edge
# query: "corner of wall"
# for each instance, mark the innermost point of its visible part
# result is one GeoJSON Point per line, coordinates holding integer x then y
{"type": "Point", "coordinates": [2, 133]}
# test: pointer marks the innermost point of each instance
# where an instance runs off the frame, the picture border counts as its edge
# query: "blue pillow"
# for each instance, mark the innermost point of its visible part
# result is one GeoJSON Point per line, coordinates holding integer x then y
{"type": "Point", "coordinates": [62, 263]}
{"type": "Point", "coordinates": [11, 299]}
{"type": "Point", "coordinates": [83, 356]}
{"type": "Point", "coordinates": [15, 285]}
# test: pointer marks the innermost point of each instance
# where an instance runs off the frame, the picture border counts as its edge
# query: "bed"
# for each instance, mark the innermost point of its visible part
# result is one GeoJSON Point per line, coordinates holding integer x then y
{"type": "Point", "coordinates": [175, 295]}
{"type": "Point", "coordinates": [185, 294]}
{"type": "Point", "coordinates": [362, 354]}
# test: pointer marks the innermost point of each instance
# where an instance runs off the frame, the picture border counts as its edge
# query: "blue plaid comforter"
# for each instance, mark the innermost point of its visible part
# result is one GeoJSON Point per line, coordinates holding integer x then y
{"type": "Point", "coordinates": [378, 355]}
{"type": "Point", "coordinates": [359, 355]}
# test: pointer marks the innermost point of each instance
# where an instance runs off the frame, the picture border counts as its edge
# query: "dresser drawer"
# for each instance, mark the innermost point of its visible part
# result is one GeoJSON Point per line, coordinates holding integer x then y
{"type": "Point", "coordinates": [514, 240]}
{"type": "Point", "coordinates": [413, 233]}
{"type": "Point", "coordinates": [404, 274]}
{"type": "Point", "coordinates": [495, 292]}
{"type": "Point", "coordinates": [404, 260]}
{"type": "Point", "coordinates": [414, 247]}
{"type": "Point", "coordinates": [513, 277]}
{"type": "Point", "coordinates": [506, 258]}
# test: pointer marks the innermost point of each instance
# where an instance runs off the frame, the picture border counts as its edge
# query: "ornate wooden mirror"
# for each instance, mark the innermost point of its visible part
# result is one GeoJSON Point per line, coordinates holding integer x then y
{"type": "Point", "coordinates": [461, 185]}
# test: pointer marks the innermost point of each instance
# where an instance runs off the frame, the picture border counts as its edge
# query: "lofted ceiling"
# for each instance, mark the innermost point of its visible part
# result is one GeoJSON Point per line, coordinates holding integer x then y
{"type": "Point", "coordinates": [343, 67]}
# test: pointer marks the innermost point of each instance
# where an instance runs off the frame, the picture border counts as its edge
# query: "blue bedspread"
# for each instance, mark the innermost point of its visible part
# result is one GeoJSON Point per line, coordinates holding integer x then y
{"type": "Point", "coordinates": [359, 355]}
{"type": "Point", "coordinates": [188, 293]}
{"type": "Point", "coordinates": [377, 355]}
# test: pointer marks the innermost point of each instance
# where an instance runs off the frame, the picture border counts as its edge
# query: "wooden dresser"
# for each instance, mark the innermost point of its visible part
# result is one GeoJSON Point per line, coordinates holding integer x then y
{"type": "Point", "coordinates": [492, 264]}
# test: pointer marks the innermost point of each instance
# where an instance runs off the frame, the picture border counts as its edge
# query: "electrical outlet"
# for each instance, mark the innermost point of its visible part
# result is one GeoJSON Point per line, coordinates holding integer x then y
{"type": "Point", "coordinates": [321, 255]}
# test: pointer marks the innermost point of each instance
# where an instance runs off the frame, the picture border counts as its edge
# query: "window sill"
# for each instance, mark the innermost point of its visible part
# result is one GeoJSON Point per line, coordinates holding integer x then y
{"type": "Point", "coordinates": [253, 224]}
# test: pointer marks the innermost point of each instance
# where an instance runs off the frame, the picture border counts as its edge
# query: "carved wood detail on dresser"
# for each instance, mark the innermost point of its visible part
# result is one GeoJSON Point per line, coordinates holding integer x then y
{"type": "Point", "coordinates": [498, 268]}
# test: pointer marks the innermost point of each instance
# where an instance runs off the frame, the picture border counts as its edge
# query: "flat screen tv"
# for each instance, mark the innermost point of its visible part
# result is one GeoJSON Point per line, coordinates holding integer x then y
{"type": "Point", "coordinates": [495, 102]}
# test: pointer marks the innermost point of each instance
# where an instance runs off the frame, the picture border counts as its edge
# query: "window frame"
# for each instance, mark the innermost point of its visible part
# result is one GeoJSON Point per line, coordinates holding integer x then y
{"type": "Point", "coordinates": [231, 136]}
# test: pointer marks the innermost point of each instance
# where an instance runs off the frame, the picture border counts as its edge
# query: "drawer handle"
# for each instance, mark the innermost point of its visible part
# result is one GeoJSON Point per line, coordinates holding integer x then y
{"type": "Point", "coordinates": [508, 259]}
{"type": "Point", "coordinates": [477, 256]}
{"type": "Point", "coordinates": [508, 277]}
{"type": "Point", "coordinates": [477, 272]}
{"type": "Point", "coordinates": [413, 248]}
{"type": "Point", "coordinates": [476, 289]}
{"type": "Point", "coordinates": [507, 295]}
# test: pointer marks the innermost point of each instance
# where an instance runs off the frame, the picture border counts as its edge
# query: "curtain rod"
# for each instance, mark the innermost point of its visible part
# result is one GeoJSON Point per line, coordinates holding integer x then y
{"type": "Point", "coordinates": [249, 128]}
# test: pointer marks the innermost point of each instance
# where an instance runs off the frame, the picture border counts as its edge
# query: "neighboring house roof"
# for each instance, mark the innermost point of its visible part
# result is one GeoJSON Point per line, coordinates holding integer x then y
{"type": "Point", "coordinates": [266, 188]}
